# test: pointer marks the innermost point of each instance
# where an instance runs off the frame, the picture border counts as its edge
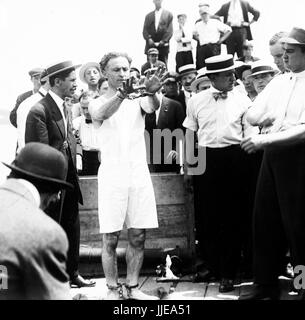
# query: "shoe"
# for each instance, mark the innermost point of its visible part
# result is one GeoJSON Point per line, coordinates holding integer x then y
{"type": "Point", "coordinates": [80, 282]}
{"type": "Point", "coordinates": [134, 293]}
{"type": "Point", "coordinates": [204, 276]}
{"type": "Point", "coordinates": [262, 292]}
{"type": "Point", "coordinates": [226, 285]}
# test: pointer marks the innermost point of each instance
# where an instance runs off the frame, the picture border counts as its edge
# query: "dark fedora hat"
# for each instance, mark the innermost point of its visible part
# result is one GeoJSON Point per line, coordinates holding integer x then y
{"type": "Point", "coordinates": [296, 36]}
{"type": "Point", "coordinates": [60, 67]}
{"type": "Point", "coordinates": [43, 163]}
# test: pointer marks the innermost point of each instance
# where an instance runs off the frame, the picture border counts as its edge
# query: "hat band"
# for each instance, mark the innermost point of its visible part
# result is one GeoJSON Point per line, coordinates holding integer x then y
{"type": "Point", "coordinates": [188, 70]}
{"type": "Point", "coordinates": [263, 68]}
{"type": "Point", "coordinates": [220, 65]}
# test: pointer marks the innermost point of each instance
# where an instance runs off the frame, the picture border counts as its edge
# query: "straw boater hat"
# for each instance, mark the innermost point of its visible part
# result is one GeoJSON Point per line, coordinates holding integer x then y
{"type": "Point", "coordinates": [59, 67]}
{"type": "Point", "coordinates": [187, 69]}
{"type": "Point", "coordinates": [260, 67]}
{"type": "Point", "coordinates": [42, 163]}
{"type": "Point", "coordinates": [201, 77]}
{"type": "Point", "coordinates": [86, 66]}
{"type": "Point", "coordinates": [296, 36]}
{"type": "Point", "coordinates": [220, 63]}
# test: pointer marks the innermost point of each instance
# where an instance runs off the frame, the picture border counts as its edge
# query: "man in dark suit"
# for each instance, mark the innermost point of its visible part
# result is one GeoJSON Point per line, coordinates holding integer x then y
{"type": "Point", "coordinates": [35, 78]}
{"type": "Point", "coordinates": [158, 30]}
{"type": "Point", "coordinates": [49, 122]}
{"type": "Point", "coordinates": [152, 61]}
{"type": "Point", "coordinates": [169, 116]}
{"type": "Point", "coordinates": [235, 14]}
{"type": "Point", "coordinates": [33, 248]}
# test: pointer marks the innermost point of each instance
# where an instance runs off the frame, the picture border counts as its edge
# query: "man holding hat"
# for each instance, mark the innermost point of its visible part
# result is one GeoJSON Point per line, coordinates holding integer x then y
{"type": "Point", "coordinates": [35, 78]}
{"type": "Point", "coordinates": [33, 247]}
{"type": "Point", "coordinates": [152, 61]}
{"type": "Point", "coordinates": [217, 116]}
{"type": "Point", "coordinates": [158, 30]}
{"type": "Point", "coordinates": [50, 122]}
{"type": "Point", "coordinates": [279, 204]}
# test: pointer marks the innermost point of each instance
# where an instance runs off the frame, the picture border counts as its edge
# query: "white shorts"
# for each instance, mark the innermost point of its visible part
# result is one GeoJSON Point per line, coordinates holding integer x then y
{"type": "Point", "coordinates": [126, 196]}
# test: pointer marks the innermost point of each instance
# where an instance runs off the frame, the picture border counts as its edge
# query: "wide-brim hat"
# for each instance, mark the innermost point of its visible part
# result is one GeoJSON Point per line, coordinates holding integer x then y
{"type": "Point", "coordinates": [296, 36]}
{"type": "Point", "coordinates": [86, 66]}
{"type": "Point", "coordinates": [221, 63]}
{"type": "Point", "coordinates": [60, 67]}
{"type": "Point", "coordinates": [186, 69]}
{"type": "Point", "coordinates": [260, 67]}
{"type": "Point", "coordinates": [201, 77]}
{"type": "Point", "coordinates": [43, 163]}
{"type": "Point", "coordinates": [35, 72]}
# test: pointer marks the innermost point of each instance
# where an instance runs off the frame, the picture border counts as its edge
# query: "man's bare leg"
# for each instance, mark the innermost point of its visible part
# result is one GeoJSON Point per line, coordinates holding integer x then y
{"type": "Point", "coordinates": [134, 255]}
{"type": "Point", "coordinates": [110, 264]}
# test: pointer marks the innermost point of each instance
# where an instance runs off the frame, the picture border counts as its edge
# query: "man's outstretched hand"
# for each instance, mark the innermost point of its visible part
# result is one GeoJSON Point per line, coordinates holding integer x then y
{"type": "Point", "coordinates": [153, 82]}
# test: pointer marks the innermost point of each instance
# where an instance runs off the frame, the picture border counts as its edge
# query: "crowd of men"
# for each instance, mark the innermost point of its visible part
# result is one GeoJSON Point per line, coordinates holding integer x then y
{"type": "Point", "coordinates": [242, 118]}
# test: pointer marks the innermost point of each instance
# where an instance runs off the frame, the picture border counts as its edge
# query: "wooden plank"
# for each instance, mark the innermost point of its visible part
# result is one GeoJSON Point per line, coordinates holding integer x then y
{"type": "Point", "coordinates": [212, 292]}
{"type": "Point", "coordinates": [152, 287]}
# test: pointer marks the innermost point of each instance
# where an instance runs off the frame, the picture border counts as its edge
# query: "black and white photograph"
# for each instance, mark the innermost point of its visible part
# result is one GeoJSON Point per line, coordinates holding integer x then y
{"type": "Point", "coordinates": [152, 150]}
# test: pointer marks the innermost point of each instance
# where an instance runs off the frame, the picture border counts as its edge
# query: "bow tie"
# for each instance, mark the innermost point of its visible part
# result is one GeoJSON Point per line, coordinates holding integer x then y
{"type": "Point", "coordinates": [220, 95]}
{"type": "Point", "coordinates": [88, 121]}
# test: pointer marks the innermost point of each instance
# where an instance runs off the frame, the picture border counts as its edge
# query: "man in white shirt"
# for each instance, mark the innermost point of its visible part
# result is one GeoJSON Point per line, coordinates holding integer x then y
{"type": "Point", "coordinates": [279, 205]}
{"type": "Point", "coordinates": [25, 107]}
{"type": "Point", "coordinates": [217, 115]}
{"type": "Point", "coordinates": [183, 37]}
{"type": "Point", "coordinates": [210, 33]}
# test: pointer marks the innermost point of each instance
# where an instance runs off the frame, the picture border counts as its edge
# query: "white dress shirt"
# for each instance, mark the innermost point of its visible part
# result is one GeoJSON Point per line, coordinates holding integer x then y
{"type": "Point", "coordinates": [218, 123]}
{"type": "Point", "coordinates": [60, 104]}
{"type": "Point", "coordinates": [283, 99]}
{"type": "Point", "coordinates": [157, 17]}
{"type": "Point", "coordinates": [87, 133]}
{"type": "Point", "coordinates": [184, 43]}
{"type": "Point", "coordinates": [22, 114]}
{"type": "Point", "coordinates": [211, 31]}
{"type": "Point", "coordinates": [235, 14]}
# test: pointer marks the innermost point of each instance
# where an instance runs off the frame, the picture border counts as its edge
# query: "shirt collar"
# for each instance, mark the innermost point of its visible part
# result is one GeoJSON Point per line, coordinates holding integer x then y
{"type": "Point", "coordinates": [43, 91]}
{"type": "Point", "coordinates": [58, 100]}
{"type": "Point", "coordinates": [32, 189]}
{"type": "Point", "coordinates": [299, 74]}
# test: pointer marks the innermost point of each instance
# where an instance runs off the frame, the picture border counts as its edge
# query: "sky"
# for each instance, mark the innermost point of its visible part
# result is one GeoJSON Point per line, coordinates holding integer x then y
{"type": "Point", "coordinates": [37, 33]}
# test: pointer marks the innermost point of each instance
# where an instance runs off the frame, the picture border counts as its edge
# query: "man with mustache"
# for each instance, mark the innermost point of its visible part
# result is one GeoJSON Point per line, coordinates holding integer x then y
{"type": "Point", "coordinates": [50, 122]}
{"type": "Point", "coordinates": [217, 116]}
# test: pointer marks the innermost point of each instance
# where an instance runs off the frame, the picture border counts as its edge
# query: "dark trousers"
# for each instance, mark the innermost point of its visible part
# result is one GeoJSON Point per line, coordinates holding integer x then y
{"type": "Point", "coordinates": [91, 163]}
{"type": "Point", "coordinates": [204, 52]}
{"type": "Point", "coordinates": [183, 58]}
{"type": "Point", "coordinates": [279, 211]}
{"type": "Point", "coordinates": [221, 204]}
{"type": "Point", "coordinates": [67, 215]}
{"type": "Point", "coordinates": [236, 40]}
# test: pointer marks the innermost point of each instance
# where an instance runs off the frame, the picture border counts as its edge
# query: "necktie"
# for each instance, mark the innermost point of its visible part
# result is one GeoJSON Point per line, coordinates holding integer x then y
{"type": "Point", "coordinates": [220, 95]}
{"type": "Point", "coordinates": [88, 121]}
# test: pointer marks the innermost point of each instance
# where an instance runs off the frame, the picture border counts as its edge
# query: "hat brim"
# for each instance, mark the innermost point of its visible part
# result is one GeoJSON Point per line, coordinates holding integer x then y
{"type": "Point", "coordinates": [60, 184]}
{"type": "Point", "coordinates": [59, 71]}
{"type": "Point", "coordinates": [274, 72]}
{"type": "Point", "coordinates": [289, 40]}
{"type": "Point", "coordinates": [236, 65]}
{"type": "Point", "coordinates": [85, 67]}
{"type": "Point", "coordinates": [186, 73]}
{"type": "Point", "coordinates": [196, 82]}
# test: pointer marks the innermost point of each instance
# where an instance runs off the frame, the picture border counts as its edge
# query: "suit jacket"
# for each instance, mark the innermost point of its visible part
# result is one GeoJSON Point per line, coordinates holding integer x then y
{"type": "Point", "coordinates": [147, 66]}
{"type": "Point", "coordinates": [164, 31]}
{"type": "Point", "coordinates": [246, 8]}
{"type": "Point", "coordinates": [13, 113]}
{"type": "Point", "coordinates": [171, 116]}
{"type": "Point", "coordinates": [33, 248]}
{"type": "Point", "coordinates": [45, 124]}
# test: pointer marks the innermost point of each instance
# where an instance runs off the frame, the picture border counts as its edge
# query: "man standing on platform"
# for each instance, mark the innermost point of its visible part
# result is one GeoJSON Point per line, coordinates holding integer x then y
{"type": "Point", "coordinates": [126, 195]}
{"type": "Point", "coordinates": [279, 203]}
{"type": "Point", "coordinates": [50, 122]}
{"type": "Point", "coordinates": [158, 30]}
{"type": "Point", "coordinates": [235, 14]}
